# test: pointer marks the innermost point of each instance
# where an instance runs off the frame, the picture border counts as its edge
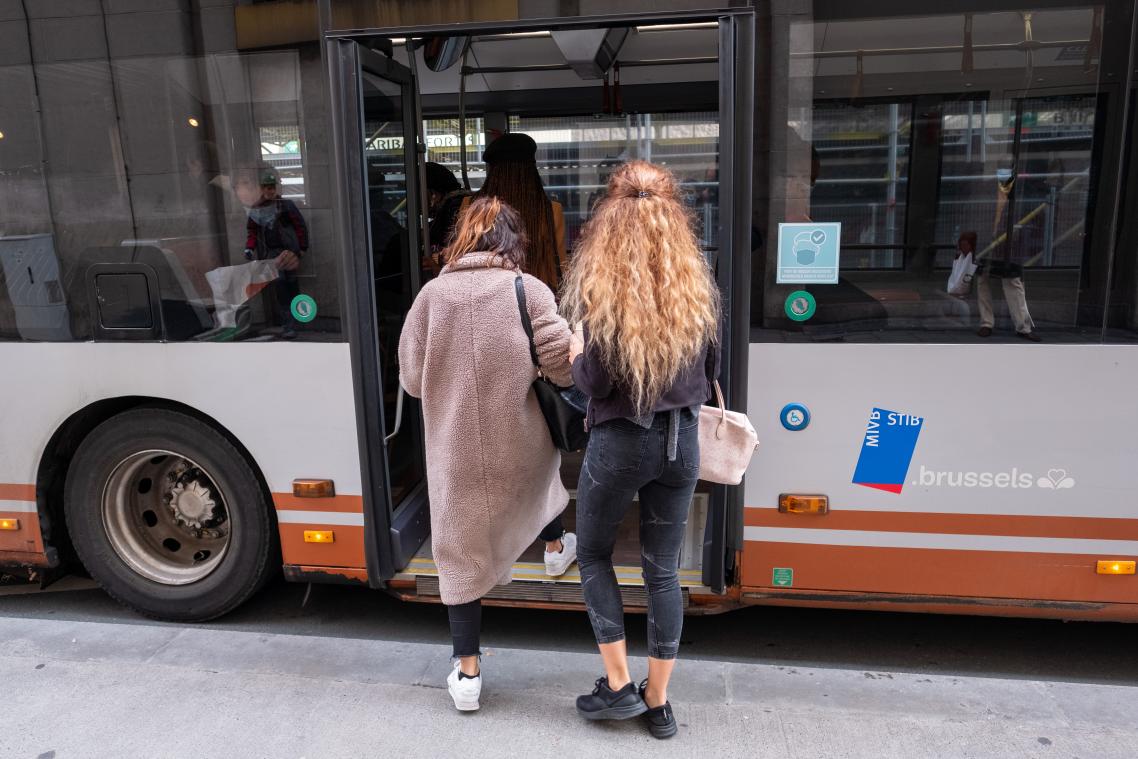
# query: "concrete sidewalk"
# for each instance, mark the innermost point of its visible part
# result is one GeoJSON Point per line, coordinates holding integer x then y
{"type": "Point", "coordinates": [92, 689]}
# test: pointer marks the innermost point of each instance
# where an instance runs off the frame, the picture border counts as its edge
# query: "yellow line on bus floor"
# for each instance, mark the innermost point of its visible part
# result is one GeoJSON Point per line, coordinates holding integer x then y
{"type": "Point", "coordinates": [534, 572]}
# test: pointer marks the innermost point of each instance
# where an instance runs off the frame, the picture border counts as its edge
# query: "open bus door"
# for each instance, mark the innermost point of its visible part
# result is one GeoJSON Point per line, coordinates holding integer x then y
{"type": "Point", "coordinates": [375, 103]}
{"type": "Point", "coordinates": [723, 533]}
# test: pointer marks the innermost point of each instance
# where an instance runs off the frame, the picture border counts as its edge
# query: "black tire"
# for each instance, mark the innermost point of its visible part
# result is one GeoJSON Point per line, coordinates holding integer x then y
{"type": "Point", "coordinates": [252, 546]}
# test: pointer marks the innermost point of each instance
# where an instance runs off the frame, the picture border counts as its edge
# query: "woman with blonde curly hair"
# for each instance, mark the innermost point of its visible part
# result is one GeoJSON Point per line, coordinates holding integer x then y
{"type": "Point", "coordinates": [646, 356]}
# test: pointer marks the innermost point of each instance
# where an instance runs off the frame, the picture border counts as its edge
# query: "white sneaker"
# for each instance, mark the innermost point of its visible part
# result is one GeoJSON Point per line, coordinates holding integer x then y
{"type": "Point", "coordinates": [465, 692]}
{"type": "Point", "coordinates": [557, 563]}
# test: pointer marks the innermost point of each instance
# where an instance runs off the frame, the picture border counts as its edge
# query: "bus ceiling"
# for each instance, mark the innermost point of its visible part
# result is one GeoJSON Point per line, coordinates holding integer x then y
{"type": "Point", "coordinates": [546, 64]}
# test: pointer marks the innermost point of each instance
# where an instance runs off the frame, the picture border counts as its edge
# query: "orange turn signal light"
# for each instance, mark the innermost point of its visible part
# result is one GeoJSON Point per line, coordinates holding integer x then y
{"type": "Point", "coordinates": [9, 524]}
{"type": "Point", "coordinates": [319, 536]}
{"type": "Point", "coordinates": [790, 503]}
{"type": "Point", "coordinates": [1115, 567]}
{"type": "Point", "coordinates": [313, 488]}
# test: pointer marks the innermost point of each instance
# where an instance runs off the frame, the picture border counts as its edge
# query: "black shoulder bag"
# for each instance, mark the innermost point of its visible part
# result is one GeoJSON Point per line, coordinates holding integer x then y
{"type": "Point", "coordinates": [566, 421]}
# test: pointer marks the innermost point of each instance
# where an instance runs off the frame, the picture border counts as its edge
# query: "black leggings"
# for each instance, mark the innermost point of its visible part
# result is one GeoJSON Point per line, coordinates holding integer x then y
{"type": "Point", "coordinates": [466, 619]}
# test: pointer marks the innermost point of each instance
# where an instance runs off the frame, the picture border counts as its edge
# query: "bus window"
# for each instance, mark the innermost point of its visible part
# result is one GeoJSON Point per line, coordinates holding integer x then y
{"type": "Point", "coordinates": [197, 166]}
{"type": "Point", "coordinates": [577, 154]}
{"type": "Point", "coordinates": [931, 139]}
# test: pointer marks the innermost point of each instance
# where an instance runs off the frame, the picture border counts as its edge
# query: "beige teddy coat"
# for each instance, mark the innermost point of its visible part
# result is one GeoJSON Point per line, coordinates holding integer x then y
{"type": "Point", "coordinates": [492, 470]}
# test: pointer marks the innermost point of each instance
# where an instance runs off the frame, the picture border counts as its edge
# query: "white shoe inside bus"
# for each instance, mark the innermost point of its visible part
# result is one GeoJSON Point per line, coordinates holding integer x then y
{"type": "Point", "coordinates": [591, 98]}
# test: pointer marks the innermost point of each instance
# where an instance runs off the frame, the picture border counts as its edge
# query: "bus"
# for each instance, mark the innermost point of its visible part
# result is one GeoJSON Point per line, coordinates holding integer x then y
{"type": "Point", "coordinates": [181, 421]}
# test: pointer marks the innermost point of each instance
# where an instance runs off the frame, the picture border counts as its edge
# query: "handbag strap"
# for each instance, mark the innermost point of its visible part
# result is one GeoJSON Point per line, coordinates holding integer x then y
{"type": "Point", "coordinates": [523, 309]}
{"type": "Point", "coordinates": [719, 398]}
{"type": "Point", "coordinates": [708, 369]}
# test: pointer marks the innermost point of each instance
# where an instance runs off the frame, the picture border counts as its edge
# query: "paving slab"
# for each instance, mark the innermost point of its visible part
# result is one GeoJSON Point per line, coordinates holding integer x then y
{"type": "Point", "coordinates": [100, 689]}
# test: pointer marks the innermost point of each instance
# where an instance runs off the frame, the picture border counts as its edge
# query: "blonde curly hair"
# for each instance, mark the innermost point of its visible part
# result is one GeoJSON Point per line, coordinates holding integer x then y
{"type": "Point", "coordinates": [641, 284]}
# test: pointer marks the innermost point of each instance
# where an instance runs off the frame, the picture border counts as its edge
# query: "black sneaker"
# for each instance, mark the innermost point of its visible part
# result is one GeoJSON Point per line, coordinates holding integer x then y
{"type": "Point", "coordinates": [660, 719]}
{"type": "Point", "coordinates": [605, 703]}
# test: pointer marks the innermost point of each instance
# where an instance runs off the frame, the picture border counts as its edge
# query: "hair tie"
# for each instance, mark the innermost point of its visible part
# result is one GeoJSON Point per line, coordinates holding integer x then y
{"type": "Point", "coordinates": [642, 194]}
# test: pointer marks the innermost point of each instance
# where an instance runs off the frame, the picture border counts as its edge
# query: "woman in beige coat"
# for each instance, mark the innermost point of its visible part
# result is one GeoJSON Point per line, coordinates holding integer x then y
{"type": "Point", "coordinates": [495, 482]}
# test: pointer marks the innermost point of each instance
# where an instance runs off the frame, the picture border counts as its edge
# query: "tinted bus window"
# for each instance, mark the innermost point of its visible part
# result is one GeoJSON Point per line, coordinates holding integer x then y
{"type": "Point", "coordinates": [145, 145]}
{"type": "Point", "coordinates": [963, 164]}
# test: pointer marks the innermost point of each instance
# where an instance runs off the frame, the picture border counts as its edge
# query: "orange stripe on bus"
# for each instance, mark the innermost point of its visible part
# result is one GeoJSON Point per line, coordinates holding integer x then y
{"type": "Point", "coordinates": [1105, 528]}
{"type": "Point", "coordinates": [989, 607]}
{"type": "Point", "coordinates": [16, 492]}
{"type": "Point", "coordinates": [346, 551]}
{"type": "Point", "coordinates": [27, 539]}
{"type": "Point", "coordinates": [351, 504]}
{"type": "Point", "coordinates": [940, 572]}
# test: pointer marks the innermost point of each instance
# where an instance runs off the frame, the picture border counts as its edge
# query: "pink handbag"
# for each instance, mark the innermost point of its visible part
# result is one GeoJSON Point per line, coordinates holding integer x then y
{"type": "Point", "coordinates": [727, 441]}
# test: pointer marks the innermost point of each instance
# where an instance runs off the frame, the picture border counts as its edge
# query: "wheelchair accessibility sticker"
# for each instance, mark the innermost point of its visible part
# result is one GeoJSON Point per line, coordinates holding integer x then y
{"type": "Point", "coordinates": [808, 253]}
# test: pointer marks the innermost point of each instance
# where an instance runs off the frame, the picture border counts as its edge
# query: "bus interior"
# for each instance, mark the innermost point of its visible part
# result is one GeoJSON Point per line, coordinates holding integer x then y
{"type": "Point", "coordinates": [591, 97]}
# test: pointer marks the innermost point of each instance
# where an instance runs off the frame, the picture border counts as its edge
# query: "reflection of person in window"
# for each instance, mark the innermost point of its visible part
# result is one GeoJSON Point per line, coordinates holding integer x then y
{"type": "Point", "coordinates": [1008, 271]}
{"type": "Point", "coordinates": [276, 231]}
{"type": "Point", "coordinates": [202, 168]}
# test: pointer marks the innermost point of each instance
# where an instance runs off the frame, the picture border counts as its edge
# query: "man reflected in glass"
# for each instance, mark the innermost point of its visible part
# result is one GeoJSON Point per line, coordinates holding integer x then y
{"type": "Point", "coordinates": [275, 230]}
{"type": "Point", "coordinates": [1002, 265]}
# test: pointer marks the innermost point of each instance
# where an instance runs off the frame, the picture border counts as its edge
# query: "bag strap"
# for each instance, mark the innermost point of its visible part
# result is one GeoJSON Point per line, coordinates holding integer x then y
{"type": "Point", "coordinates": [722, 410]}
{"type": "Point", "coordinates": [558, 261]}
{"type": "Point", "coordinates": [520, 291]}
{"type": "Point", "coordinates": [709, 363]}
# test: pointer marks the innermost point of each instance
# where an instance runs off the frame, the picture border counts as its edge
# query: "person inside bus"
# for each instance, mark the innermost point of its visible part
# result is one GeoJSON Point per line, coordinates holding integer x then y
{"type": "Point", "coordinates": [646, 355]}
{"type": "Point", "coordinates": [1007, 265]}
{"type": "Point", "coordinates": [444, 199]}
{"type": "Point", "coordinates": [275, 229]}
{"type": "Point", "coordinates": [388, 237]}
{"type": "Point", "coordinates": [511, 174]}
{"type": "Point", "coordinates": [496, 482]}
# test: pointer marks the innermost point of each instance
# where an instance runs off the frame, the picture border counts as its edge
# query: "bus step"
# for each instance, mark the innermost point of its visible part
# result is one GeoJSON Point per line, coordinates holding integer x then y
{"type": "Point", "coordinates": [547, 592]}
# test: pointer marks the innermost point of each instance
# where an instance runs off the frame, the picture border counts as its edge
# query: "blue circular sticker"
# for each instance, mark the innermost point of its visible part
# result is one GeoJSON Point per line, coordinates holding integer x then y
{"type": "Point", "coordinates": [794, 416]}
{"type": "Point", "coordinates": [303, 308]}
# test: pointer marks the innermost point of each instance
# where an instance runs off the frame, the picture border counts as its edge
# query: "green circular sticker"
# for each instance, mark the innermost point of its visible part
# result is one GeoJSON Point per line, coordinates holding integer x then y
{"type": "Point", "coordinates": [303, 308]}
{"type": "Point", "coordinates": [800, 305]}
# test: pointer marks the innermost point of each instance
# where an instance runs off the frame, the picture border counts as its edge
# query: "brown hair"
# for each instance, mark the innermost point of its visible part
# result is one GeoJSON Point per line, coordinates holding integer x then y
{"type": "Point", "coordinates": [517, 182]}
{"type": "Point", "coordinates": [641, 284]}
{"type": "Point", "coordinates": [489, 226]}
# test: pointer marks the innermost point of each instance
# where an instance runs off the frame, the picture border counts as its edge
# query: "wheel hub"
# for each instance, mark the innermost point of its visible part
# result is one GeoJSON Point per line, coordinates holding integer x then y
{"type": "Point", "coordinates": [166, 517]}
{"type": "Point", "coordinates": [193, 504]}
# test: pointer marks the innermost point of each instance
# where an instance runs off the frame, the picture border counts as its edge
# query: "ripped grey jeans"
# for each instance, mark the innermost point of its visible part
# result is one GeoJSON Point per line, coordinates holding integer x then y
{"type": "Point", "coordinates": [623, 459]}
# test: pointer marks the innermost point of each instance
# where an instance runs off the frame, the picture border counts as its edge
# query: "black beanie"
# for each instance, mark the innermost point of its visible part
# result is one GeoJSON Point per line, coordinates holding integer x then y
{"type": "Point", "coordinates": [513, 146]}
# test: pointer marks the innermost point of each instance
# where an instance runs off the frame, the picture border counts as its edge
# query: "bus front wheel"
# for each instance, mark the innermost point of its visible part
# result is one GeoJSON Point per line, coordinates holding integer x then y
{"type": "Point", "coordinates": [167, 515]}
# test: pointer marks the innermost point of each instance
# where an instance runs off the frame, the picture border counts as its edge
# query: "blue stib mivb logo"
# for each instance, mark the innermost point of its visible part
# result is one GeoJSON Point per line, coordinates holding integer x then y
{"type": "Point", "coordinates": [887, 449]}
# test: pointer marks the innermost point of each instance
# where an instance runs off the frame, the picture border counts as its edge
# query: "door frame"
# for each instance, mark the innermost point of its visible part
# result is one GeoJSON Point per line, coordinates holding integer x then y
{"type": "Point", "coordinates": [347, 59]}
{"type": "Point", "coordinates": [344, 50]}
{"type": "Point", "coordinates": [736, 155]}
